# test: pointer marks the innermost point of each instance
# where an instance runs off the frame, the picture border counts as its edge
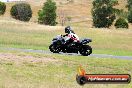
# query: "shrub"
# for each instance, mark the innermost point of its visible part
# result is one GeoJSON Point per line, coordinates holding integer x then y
{"type": "Point", "coordinates": [21, 11]}
{"type": "Point", "coordinates": [47, 15]}
{"type": "Point", "coordinates": [103, 13]}
{"type": "Point", "coordinates": [121, 23]}
{"type": "Point", "coordinates": [2, 8]}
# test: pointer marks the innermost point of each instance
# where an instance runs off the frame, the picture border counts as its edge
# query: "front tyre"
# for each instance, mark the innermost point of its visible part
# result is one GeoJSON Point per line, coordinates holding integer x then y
{"type": "Point", "coordinates": [86, 50]}
{"type": "Point", "coordinates": [54, 48]}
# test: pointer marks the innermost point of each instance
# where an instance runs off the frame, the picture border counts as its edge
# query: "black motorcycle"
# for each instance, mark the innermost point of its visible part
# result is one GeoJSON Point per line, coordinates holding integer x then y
{"type": "Point", "coordinates": [58, 45]}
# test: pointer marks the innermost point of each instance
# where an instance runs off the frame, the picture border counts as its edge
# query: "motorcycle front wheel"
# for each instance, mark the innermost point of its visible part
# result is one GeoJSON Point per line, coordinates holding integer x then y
{"type": "Point", "coordinates": [54, 48]}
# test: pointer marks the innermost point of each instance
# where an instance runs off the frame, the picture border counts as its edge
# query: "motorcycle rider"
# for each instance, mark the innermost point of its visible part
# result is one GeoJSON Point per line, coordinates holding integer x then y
{"type": "Point", "coordinates": [70, 36]}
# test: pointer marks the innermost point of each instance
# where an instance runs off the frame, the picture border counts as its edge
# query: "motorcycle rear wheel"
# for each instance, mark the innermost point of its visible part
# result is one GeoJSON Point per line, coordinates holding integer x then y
{"type": "Point", "coordinates": [86, 50]}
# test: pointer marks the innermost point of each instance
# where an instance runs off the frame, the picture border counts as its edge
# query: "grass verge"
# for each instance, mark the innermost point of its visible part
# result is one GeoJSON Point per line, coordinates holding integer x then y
{"type": "Point", "coordinates": [30, 73]}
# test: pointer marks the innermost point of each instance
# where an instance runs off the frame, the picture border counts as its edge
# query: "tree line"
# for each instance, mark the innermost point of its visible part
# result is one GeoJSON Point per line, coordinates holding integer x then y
{"type": "Point", "coordinates": [104, 14]}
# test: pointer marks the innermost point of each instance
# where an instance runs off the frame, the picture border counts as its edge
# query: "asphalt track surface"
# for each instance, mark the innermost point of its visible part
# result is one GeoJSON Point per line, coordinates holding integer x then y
{"type": "Point", "coordinates": [48, 52]}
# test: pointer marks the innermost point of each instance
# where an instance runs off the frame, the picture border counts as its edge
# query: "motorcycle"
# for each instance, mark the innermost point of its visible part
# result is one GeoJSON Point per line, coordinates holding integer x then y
{"type": "Point", "coordinates": [58, 45]}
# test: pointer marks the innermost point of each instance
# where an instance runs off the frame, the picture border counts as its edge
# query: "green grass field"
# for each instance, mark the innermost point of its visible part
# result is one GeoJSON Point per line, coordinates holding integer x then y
{"type": "Point", "coordinates": [58, 72]}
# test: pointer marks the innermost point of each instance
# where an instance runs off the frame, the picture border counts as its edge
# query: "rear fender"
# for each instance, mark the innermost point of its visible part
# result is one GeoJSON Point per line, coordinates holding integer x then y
{"type": "Point", "coordinates": [85, 41]}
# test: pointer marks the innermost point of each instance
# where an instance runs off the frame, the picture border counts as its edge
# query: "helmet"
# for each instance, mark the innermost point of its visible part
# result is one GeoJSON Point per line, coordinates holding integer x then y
{"type": "Point", "coordinates": [68, 29]}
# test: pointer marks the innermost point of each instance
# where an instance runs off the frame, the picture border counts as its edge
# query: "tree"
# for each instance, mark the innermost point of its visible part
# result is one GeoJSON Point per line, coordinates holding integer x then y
{"type": "Point", "coordinates": [103, 13]}
{"type": "Point", "coordinates": [129, 4]}
{"type": "Point", "coordinates": [48, 15]}
{"type": "Point", "coordinates": [2, 8]}
{"type": "Point", "coordinates": [129, 11]}
{"type": "Point", "coordinates": [130, 16]}
{"type": "Point", "coordinates": [21, 11]}
{"type": "Point", "coordinates": [63, 17]}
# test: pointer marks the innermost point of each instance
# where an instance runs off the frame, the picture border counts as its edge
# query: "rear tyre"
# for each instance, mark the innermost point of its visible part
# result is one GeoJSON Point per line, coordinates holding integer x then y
{"type": "Point", "coordinates": [54, 48]}
{"type": "Point", "coordinates": [86, 50]}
